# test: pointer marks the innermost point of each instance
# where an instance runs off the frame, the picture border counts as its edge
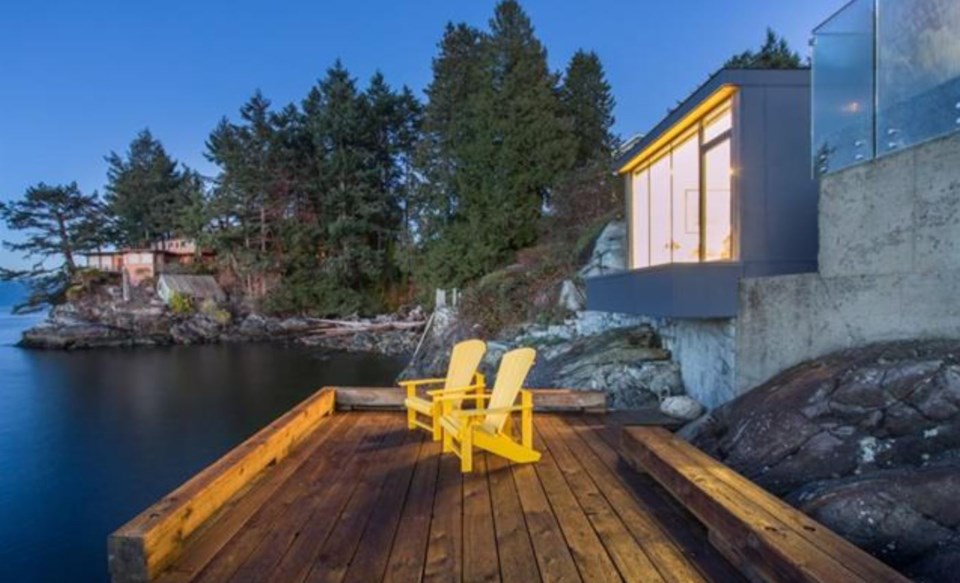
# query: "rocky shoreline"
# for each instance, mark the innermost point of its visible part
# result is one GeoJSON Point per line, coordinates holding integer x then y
{"type": "Point", "coordinates": [93, 324]}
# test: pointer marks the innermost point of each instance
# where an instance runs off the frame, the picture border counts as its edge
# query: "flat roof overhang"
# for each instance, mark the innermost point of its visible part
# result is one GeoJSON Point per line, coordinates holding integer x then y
{"type": "Point", "coordinates": [674, 290]}
{"type": "Point", "coordinates": [719, 87]}
{"type": "Point", "coordinates": [659, 139]}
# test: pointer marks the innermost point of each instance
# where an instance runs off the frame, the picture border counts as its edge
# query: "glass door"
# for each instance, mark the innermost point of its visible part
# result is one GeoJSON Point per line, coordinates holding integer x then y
{"type": "Point", "coordinates": [717, 223]}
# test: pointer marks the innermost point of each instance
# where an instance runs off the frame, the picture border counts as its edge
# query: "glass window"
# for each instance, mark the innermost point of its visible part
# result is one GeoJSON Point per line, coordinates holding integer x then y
{"type": "Point", "coordinates": [660, 221]}
{"type": "Point", "coordinates": [681, 203]}
{"type": "Point", "coordinates": [718, 125]}
{"type": "Point", "coordinates": [718, 232]}
{"type": "Point", "coordinates": [641, 219]}
{"type": "Point", "coordinates": [686, 201]}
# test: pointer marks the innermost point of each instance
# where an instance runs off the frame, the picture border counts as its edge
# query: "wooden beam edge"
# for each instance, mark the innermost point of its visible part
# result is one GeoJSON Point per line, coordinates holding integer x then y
{"type": "Point", "coordinates": [144, 546]}
{"type": "Point", "coordinates": [544, 400]}
{"type": "Point", "coordinates": [633, 448]}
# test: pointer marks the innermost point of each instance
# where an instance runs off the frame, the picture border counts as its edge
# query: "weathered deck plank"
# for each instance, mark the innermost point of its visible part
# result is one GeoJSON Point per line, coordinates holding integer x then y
{"type": "Point", "coordinates": [672, 558]}
{"type": "Point", "coordinates": [513, 538]}
{"type": "Point", "coordinates": [364, 499]}
{"type": "Point", "coordinates": [588, 552]}
{"type": "Point", "coordinates": [409, 552]}
{"type": "Point", "coordinates": [630, 558]}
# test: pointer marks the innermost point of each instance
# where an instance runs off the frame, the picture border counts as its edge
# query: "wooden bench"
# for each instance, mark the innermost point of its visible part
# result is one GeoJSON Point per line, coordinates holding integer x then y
{"type": "Point", "coordinates": [767, 539]}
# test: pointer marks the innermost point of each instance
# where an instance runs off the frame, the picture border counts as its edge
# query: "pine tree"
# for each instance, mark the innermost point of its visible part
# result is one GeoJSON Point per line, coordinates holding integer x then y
{"type": "Point", "coordinates": [497, 141]}
{"type": "Point", "coordinates": [774, 54]}
{"type": "Point", "coordinates": [354, 208]}
{"type": "Point", "coordinates": [588, 102]}
{"type": "Point", "coordinates": [534, 141]}
{"type": "Point", "coordinates": [460, 78]}
{"type": "Point", "coordinates": [60, 222]}
{"type": "Point", "coordinates": [144, 191]}
{"type": "Point", "coordinates": [251, 196]}
{"type": "Point", "coordinates": [589, 191]}
{"type": "Point", "coordinates": [193, 218]}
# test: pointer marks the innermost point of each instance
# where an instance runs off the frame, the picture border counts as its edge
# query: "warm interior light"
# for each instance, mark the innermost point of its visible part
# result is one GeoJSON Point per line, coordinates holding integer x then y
{"type": "Point", "coordinates": [677, 215]}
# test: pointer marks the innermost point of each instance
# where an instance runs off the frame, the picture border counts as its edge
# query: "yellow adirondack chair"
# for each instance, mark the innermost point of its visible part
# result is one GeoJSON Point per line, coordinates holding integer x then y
{"type": "Point", "coordinates": [462, 377]}
{"type": "Point", "coordinates": [486, 427]}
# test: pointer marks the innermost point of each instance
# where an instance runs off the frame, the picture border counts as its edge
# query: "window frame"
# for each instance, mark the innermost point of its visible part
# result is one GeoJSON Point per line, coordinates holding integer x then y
{"type": "Point", "coordinates": [698, 128]}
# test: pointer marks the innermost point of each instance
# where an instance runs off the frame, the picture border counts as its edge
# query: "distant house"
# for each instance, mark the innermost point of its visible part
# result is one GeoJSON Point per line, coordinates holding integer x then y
{"type": "Point", "coordinates": [196, 287]}
{"type": "Point", "coordinates": [139, 264]}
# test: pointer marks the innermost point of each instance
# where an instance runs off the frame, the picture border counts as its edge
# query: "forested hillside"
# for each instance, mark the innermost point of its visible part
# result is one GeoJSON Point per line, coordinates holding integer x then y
{"type": "Point", "coordinates": [360, 196]}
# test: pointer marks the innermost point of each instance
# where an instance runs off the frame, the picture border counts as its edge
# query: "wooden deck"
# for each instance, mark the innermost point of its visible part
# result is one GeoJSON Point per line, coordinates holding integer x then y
{"type": "Point", "coordinates": [364, 499]}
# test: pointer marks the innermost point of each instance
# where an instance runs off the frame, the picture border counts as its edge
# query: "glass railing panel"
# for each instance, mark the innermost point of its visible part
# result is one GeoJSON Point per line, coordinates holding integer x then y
{"type": "Point", "coordinates": [918, 71]}
{"type": "Point", "coordinates": [843, 88]}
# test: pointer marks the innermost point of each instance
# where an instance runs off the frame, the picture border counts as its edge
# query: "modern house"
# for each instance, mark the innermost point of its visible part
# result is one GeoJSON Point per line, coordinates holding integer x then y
{"type": "Point", "coordinates": [779, 216]}
{"type": "Point", "coordinates": [719, 190]}
{"type": "Point", "coordinates": [886, 147]}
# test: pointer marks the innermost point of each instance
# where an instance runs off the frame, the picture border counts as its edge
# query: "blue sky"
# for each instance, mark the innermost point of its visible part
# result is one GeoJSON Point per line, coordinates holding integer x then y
{"type": "Point", "coordinates": [79, 79]}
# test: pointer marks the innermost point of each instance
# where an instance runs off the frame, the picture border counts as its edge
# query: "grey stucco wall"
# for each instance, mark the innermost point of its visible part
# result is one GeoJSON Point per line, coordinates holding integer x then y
{"type": "Point", "coordinates": [889, 267]}
{"type": "Point", "coordinates": [777, 206]}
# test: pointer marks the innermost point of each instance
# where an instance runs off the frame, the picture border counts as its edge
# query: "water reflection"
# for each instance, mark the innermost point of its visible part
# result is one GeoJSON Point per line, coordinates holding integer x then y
{"type": "Point", "coordinates": [88, 439]}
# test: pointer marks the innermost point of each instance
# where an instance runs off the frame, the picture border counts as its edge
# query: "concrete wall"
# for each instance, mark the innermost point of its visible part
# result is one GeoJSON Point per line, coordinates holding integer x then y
{"type": "Point", "coordinates": [705, 350]}
{"type": "Point", "coordinates": [889, 266]}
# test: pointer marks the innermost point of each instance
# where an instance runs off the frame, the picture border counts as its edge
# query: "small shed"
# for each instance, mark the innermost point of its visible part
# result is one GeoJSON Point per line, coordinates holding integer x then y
{"type": "Point", "coordinates": [198, 287]}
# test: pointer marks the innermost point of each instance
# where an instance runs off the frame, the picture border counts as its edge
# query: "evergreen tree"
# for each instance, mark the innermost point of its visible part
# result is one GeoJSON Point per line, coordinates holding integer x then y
{"type": "Point", "coordinates": [590, 191]}
{"type": "Point", "coordinates": [534, 140]}
{"type": "Point", "coordinates": [498, 141]}
{"type": "Point", "coordinates": [459, 80]}
{"type": "Point", "coordinates": [588, 102]}
{"type": "Point", "coordinates": [59, 222]}
{"type": "Point", "coordinates": [774, 54]}
{"type": "Point", "coordinates": [144, 191]}
{"type": "Point", "coordinates": [193, 218]}
{"type": "Point", "coordinates": [251, 200]}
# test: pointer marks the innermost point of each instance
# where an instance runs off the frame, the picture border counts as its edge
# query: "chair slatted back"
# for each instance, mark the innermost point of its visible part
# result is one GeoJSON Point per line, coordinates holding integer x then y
{"type": "Point", "coordinates": [464, 360]}
{"type": "Point", "coordinates": [513, 370]}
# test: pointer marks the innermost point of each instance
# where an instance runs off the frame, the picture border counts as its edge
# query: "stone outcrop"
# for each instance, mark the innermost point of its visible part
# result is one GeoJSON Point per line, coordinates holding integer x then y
{"type": "Point", "coordinates": [103, 320]}
{"type": "Point", "coordinates": [867, 441]}
{"type": "Point", "coordinates": [592, 351]}
{"type": "Point", "coordinates": [609, 253]}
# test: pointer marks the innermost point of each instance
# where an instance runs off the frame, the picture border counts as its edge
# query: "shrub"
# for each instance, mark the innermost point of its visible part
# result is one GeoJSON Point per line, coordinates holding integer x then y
{"type": "Point", "coordinates": [181, 304]}
{"type": "Point", "coordinates": [523, 292]}
{"type": "Point", "coordinates": [218, 314]}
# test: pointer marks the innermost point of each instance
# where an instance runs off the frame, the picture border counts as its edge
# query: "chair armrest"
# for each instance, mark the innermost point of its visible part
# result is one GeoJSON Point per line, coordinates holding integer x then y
{"type": "Point", "coordinates": [453, 392]}
{"type": "Point", "coordinates": [418, 382]}
{"type": "Point", "coordinates": [460, 397]}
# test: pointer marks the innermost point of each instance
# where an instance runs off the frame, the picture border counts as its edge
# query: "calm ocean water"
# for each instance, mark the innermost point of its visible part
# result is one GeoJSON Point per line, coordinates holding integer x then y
{"type": "Point", "coordinates": [88, 439]}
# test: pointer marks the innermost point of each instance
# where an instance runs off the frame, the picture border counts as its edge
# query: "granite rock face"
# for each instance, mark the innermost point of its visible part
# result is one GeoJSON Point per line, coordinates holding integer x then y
{"type": "Point", "coordinates": [867, 441]}
{"type": "Point", "coordinates": [618, 355]}
{"type": "Point", "coordinates": [609, 251]}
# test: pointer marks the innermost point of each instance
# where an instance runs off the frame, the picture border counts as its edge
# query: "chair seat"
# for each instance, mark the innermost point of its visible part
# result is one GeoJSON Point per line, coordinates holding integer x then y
{"type": "Point", "coordinates": [453, 424]}
{"type": "Point", "coordinates": [419, 405]}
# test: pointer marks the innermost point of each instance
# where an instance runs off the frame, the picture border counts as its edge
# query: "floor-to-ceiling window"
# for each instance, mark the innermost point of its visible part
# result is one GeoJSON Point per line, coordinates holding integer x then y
{"type": "Point", "coordinates": [681, 203]}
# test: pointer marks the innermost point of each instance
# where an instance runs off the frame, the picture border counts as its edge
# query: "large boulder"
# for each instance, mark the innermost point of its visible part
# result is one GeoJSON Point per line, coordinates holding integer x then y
{"type": "Point", "coordinates": [630, 364]}
{"type": "Point", "coordinates": [609, 253]}
{"type": "Point", "coordinates": [866, 441]}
